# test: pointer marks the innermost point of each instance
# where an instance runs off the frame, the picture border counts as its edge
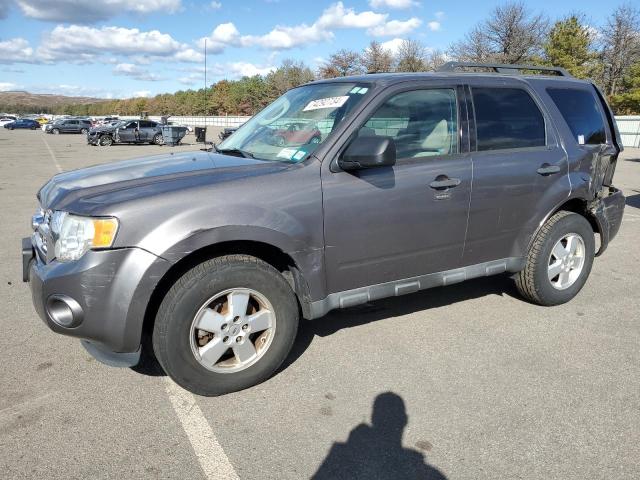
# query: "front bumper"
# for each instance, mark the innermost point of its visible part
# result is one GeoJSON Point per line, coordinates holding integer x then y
{"type": "Point", "coordinates": [108, 292]}
{"type": "Point", "coordinates": [608, 212]}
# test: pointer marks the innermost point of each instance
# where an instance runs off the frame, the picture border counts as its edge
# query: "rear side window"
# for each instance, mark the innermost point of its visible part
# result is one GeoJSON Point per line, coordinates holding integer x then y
{"type": "Point", "coordinates": [507, 118]}
{"type": "Point", "coordinates": [580, 110]}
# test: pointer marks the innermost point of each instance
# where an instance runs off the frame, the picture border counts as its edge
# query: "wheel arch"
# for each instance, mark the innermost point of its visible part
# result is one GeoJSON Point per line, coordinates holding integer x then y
{"type": "Point", "coordinates": [266, 252]}
{"type": "Point", "coordinates": [581, 207]}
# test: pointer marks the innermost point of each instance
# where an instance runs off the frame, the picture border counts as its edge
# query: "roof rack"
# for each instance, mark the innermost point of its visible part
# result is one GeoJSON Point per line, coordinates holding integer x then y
{"type": "Point", "coordinates": [502, 68]}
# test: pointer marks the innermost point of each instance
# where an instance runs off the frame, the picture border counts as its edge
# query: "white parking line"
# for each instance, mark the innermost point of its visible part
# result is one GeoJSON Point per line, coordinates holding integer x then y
{"type": "Point", "coordinates": [213, 460]}
{"type": "Point", "coordinates": [53, 157]}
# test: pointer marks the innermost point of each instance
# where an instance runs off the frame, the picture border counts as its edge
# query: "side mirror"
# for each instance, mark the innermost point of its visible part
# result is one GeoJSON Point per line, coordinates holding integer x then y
{"type": "Point", "coordinates": [369, 152]}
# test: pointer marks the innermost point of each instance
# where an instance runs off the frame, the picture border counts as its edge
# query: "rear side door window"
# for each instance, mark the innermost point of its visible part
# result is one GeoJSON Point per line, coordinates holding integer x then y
{"type": "Point", "coordinates": [423, 123]}
{"type": "Point", "coordinates": [579, 108]}
{"type": "Point", "coordinates": [507, 118]}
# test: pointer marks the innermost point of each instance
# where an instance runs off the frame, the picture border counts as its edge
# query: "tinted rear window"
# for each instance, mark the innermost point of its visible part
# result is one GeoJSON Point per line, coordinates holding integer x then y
{"type": "Point", "coordinates": [580, 110]}
{"type": "Point", "coordinates": [507, 118]}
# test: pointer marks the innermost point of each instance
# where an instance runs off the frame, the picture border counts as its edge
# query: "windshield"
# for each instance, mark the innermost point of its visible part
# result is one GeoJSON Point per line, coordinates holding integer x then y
{"type": "Point", "coordinates": [295, 124]}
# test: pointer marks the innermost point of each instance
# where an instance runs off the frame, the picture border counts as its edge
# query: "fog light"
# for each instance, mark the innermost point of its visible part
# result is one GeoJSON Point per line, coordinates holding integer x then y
{"type": "Point", "coordinates": [64, 311]}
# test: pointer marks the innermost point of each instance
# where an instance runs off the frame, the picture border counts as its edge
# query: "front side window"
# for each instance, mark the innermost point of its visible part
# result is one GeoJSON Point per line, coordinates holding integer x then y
{"type": "Point", "coordinates": [581, 112]}
{"type": "Point", "coordinates": [422, 123]}
{"type": "Point", "coordinates": [507, 118]}
{"type": "Point", "coordinates": [295, 124]}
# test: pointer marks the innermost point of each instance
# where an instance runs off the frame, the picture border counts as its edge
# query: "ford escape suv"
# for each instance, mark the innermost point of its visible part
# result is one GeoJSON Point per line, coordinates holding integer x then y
{"type": "Point", "coordinates": [416, 181]}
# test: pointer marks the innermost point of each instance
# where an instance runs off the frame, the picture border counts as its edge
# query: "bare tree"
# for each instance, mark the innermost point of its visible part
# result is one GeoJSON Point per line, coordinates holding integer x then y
{"type": "Point", "coordinates": [435, 59]}
{"type": "Point", "coordinates": [341, 64]}
{"type": "Point", "coordinates": [411, 56]}
{"type": "Point", "coordinates": [620, 46]}
{"type": "Point", "coordinates": [511, 34]}
{"type": "Point", "coordinates": [376, 58]}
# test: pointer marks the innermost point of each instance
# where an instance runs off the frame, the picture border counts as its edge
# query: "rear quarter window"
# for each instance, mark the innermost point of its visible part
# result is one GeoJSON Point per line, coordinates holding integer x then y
{"type": "Point", "coordinates": [579, 108]}
{"type": "Point", "coordinates": [507, 118]}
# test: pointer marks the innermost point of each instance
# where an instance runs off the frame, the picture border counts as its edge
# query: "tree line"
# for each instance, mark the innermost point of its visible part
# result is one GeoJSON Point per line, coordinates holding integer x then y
{"type": "Point", "coordinates": [609, 54]}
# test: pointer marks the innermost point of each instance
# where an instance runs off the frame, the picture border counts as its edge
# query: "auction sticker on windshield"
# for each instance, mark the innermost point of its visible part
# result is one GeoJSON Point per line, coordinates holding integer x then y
{"type": "Point", "coordinates": [329, 102]}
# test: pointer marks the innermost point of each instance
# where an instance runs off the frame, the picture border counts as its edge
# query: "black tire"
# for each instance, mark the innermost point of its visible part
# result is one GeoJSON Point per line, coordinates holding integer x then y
{"type": "Point", "coordinates": [171, 342]}
{"type": "Point", "coordinates": [105, 141]}
{"type": "Point", "coordinates": [533, 281]}
{"type": "Point", "coordinates": [33, 128]}
{"type": "Point", "coordinates": [84, 131]}
{"type": "Point", "coordinates": [55, 131]}
{"type": "Point", "coordinates": [157, 139]}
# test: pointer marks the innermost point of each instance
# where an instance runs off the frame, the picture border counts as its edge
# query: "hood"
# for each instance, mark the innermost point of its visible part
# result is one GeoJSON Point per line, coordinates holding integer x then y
{"type": "Point", "coordinates": [64, 188]}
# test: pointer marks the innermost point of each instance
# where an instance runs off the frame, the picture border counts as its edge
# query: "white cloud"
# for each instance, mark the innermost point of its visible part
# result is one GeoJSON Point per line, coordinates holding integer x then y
{"type": "Point", "coordinates": [8, 86]}
{"type": "Point", "coordinates": [16, 50]}
{"type": "Point", "coordinates": [434, 26]}
{"type": "Point", "coordinates": [245, 69]}
{"type": "Point", "coordinates": [141, 93]}
{"type": "Point", "coordinates": [283, 37]}
{"type": "Point", "coordinates": [439, 15]}
{"type": "Point", "coordinates": [395, 27]}
{"type": "Point", "coordinates": [337, 16]}
{"type": "Point", "coordinates": [399, 4]}
{"type": "Point", "coordinates": [189, 55]}
{"type": "Point", "coordinates": [134, 71]}
{"type": "Point", "coordinates": [82, 11]}
{"type": "Point", "coordinates": [83, 44]}
{"type": "Point", "coordinates": [215, 5]}
{"type": "Point", "coordinates": [392, 45]}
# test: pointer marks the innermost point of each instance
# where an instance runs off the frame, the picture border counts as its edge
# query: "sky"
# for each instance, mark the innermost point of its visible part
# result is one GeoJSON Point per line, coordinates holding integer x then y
{"type": "Point", "coordinates": [128, 48]}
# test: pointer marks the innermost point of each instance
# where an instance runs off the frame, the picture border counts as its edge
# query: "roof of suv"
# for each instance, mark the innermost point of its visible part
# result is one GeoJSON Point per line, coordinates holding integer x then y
{"type": "Point", "coordinates": [448, 71]}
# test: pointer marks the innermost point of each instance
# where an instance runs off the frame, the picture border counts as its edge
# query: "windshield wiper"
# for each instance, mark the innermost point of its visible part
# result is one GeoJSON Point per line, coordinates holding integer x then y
{"type": "Point", "coordinates": [234, 151]}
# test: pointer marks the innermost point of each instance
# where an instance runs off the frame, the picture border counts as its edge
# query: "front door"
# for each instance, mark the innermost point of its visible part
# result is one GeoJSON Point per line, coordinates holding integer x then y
{"type": "Point", "coordinates": [128, 133]}
{"type": "Point", "coordinates": [390, 223]}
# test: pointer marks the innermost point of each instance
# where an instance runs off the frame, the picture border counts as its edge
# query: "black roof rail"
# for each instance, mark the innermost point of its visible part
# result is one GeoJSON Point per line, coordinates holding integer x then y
{"type": "Point", "coordinates": [502, 68]}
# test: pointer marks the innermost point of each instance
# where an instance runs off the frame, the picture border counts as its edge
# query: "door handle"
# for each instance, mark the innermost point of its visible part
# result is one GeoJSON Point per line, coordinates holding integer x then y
{"type": "Point", "coordinates": [442, 181]}
{"type": "Point", "coordinates": [546, 169]}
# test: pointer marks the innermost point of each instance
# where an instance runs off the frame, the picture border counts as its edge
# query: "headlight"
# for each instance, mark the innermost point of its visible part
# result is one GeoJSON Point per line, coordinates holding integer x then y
{"type": "Point", "coordinates": [75, 235]}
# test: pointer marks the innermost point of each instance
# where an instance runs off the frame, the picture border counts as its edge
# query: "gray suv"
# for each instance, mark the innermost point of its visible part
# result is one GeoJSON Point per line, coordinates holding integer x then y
{"type": "Point", "coordinates": [417, 181]}
{"type": "Point", "coordinates": [72, 125]}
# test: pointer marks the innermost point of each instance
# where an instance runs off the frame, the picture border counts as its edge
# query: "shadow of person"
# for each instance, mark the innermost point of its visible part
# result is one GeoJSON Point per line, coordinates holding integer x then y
{"type": "Point", "coordinates": [375, 451]}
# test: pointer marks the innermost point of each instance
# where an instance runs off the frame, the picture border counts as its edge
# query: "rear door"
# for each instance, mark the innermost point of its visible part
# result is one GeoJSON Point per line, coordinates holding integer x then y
{"type": "Point", "coordinates": [71, 126]}
{"type": "Point", "coordinates": [391, 223]}
{"type": "Point", "coordinates": [147, 130]}
{"type": "Point", "coordinates": [520, 169]}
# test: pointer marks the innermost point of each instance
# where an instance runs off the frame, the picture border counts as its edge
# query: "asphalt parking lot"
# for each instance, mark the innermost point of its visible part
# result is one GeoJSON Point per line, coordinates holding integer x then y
{"type": "Point", "coordinates": [463, 382]}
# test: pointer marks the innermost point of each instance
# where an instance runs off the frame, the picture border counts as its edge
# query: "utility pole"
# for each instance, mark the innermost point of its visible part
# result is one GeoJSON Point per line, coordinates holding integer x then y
{"type": "Point", "coordinates": [205, 80]}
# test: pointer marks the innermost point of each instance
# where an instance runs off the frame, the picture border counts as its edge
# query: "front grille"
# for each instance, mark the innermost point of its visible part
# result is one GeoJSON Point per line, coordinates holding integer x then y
{"type": "Point", "coordinates": [41, 238]}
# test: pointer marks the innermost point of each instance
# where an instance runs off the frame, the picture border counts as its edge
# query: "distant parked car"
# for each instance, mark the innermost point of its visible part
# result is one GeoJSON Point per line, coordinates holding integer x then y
{"type": "Point", "coordinates": [297, 133]}
{"type": "Point", "coordinates": [22, 123]}
{"type": "Point", "coordinates": [41, 120]}
{"type": "Point", "coordinates": [126, 131]}
{"type": "Point", "coordinates": [68, 126]}
{"type": "Point", "coordinates": [226, 133]}
{"type": "Point", "coordinates": [6, 119]}
{"type": "Point", "coordinates": [178, 124]}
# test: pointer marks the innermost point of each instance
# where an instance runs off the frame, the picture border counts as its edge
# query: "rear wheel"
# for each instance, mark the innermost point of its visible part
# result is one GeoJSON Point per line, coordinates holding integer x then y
{"type": "Point", "coordinates": [559, 260]}
{"type": "Point", "coordinates": [84, 131]}
{"type": "Point", "coordinates": [33, 127]}
{"type": "Point", "coordinates": [157, 139]}
{"type": "Point", "coordinates": [225, 325]}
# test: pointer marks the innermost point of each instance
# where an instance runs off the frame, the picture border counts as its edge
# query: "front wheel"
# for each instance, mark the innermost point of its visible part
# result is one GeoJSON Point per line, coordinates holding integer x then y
{"type": "Point", "coordinates": [225, 325]}
{"type": "Point", "coordinates": [105, 141]}
{"type": "Point", "coordinates": [55, 131]}
{"type": "Point", "coordinates": [157, 139]}
{"type": "Point", "coordinates": [559, 260]}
